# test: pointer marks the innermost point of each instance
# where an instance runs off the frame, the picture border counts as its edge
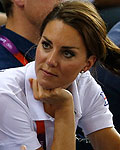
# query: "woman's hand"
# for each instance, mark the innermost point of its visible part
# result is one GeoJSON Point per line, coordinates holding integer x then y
{"type": "Point", "coordinates": [54, 99]}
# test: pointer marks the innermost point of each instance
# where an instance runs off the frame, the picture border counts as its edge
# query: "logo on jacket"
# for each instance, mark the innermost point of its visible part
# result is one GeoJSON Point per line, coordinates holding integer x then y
{"type": "Point", "coordinates": [105, 98]}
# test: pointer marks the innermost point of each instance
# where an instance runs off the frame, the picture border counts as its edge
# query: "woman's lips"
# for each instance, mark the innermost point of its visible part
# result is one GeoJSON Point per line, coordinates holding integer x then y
{"type": "Point", "coordinates": [48, 73]}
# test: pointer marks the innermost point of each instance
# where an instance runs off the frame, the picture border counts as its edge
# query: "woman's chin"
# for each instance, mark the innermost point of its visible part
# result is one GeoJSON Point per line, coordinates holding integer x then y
{"type": "Point", "coordinates": [50, 87]}
{"type": "Point", "coordinates": [47, 87]}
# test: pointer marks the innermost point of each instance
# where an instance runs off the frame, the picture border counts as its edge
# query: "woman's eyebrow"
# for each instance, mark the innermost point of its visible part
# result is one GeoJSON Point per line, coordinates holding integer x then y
{"type": "Point", "coordinates": [47, 39]}
{"type": "Point", "coordinates": [70, 47]}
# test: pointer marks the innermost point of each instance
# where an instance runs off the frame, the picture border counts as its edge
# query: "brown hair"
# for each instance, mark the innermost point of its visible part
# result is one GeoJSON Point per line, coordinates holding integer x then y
{"type": "Point", "coordinates": [7, 5]}
{"type": "Point", "coordinates": [85, 19]}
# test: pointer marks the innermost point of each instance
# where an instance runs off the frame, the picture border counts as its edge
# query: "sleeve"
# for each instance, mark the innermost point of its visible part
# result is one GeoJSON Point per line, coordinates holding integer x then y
{"type": "Point", "coordinates": [16, 126]}
{"type": "Point", "coordinates": [95, 109]}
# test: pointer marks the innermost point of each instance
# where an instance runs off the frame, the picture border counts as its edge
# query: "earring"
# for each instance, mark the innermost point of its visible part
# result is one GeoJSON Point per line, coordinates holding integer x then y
{"type": "Point", "coordinates": [82, 71]}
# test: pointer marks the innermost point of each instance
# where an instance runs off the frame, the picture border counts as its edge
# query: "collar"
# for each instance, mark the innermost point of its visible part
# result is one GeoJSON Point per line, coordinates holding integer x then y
{"type": "Point", "coordinates": [26, 47]}
{"type": "Point", "coordinates": [76, 97]}
{"type": "Point", "coordinates": [36, 107]}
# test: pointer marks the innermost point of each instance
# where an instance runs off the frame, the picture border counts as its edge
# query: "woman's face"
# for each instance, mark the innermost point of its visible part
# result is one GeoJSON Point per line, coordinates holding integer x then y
{"type": "Point", "coordinates": [60, 56]}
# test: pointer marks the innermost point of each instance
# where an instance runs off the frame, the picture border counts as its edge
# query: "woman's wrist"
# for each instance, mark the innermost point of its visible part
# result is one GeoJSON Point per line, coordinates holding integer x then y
{"type": "Point", "coordinates": [66, 110]}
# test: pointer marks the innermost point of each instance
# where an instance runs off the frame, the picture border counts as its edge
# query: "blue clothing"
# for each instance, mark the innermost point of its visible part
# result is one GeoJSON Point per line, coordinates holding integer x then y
{"type": "Point", "coordinates": [110, 15]}
{"type": "Point", "coordinates": [114, 34]}
{"type": "Point", "coordinates": [110, 82]}
{"type": "Point", "coordinates": [27, 48]}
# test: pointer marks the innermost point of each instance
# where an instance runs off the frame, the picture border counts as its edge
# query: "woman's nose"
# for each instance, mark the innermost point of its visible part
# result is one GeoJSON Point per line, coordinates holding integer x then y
{"type": "Point", "coordinates": [52, 59]}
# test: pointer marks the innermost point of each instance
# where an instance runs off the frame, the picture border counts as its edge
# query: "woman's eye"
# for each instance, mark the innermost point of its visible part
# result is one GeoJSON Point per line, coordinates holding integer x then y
{"type": "Point", "coordinates": [46, 45]}
{"type": "Point", "coordinates": [68, 53]}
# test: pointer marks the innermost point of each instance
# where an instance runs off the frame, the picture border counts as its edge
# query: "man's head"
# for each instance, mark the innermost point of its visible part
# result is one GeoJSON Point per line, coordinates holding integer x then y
{"type": "Point", "coordinates": [31, 8]}
{"type": "Point", "coordinates": [26, 16]}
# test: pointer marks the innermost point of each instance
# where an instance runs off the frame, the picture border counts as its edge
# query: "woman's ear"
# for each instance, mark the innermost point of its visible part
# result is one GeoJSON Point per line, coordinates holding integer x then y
{"type": "Point", "coordinates": [19, 3]}
{"type": "Point", "coordinates": [90, 62]}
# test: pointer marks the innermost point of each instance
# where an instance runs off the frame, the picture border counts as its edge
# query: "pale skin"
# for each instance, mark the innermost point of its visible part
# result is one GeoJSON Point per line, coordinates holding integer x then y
{"type": "Point", "coordinates": [58, 51]}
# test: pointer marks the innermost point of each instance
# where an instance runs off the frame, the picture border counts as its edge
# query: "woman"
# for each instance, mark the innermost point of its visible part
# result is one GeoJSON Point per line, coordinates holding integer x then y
{"type": "Point", "coordinates": [73, 38]}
